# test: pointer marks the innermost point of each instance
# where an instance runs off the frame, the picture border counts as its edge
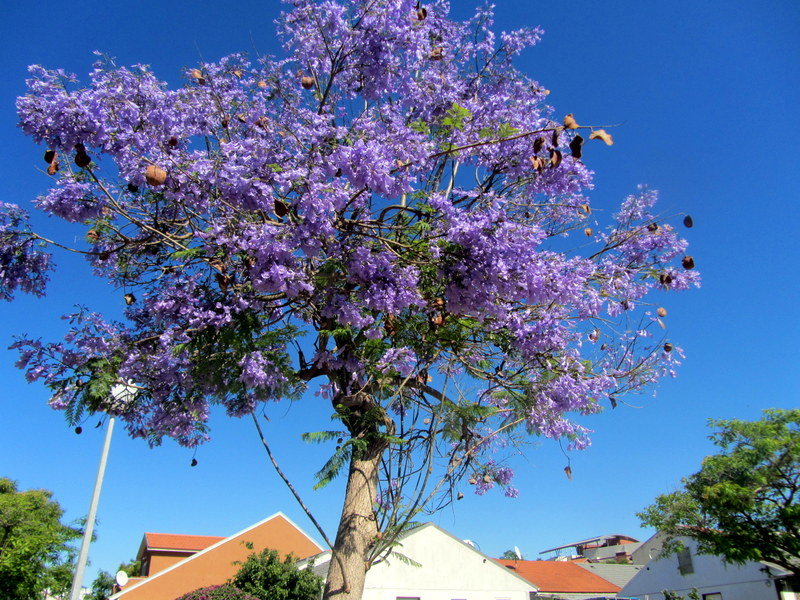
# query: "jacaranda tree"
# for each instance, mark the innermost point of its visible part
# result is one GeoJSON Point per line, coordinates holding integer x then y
{"type": "Point", "coordinates": [390, 213]}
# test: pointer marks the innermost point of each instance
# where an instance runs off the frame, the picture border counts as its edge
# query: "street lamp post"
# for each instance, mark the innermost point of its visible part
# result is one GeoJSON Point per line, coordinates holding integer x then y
{"type": "Point", "coordinates": [121, 393]}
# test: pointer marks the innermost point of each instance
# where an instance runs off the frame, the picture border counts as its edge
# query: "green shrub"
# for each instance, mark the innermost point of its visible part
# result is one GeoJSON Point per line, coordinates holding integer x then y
{"type": "Point", "coordinates": [218, 592]}
{"type": "Point", "coordinates": [268, 578]}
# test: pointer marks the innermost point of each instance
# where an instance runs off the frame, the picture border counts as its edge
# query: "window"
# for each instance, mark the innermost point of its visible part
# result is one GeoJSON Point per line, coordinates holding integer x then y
{"type": "Point", "coordinates": [685, 566]}
{"type": "Point", "coordinates": [713, 596]}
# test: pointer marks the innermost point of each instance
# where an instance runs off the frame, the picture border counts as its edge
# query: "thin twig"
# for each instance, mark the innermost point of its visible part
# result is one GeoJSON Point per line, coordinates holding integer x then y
{"type": "Point", "coordinates": [297, 497]}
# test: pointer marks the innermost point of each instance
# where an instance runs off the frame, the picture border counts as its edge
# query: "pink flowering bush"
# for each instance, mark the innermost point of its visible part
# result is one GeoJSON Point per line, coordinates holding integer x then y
{"type": "Point", "coordinates": [390, 214]}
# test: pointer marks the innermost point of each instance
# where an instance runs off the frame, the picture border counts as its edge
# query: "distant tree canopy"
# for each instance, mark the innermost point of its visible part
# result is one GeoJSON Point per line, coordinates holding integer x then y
{"type": "Point", "coordinates": [509, 555]}
{"type": "Point", "coordinates": [266, 577]}
{"type": "Point", "coordinates": [743, 502]}
{"type": "Point", "coordinates": [103, 584]}
{"type": "Point", "coordinates": [35, 551]}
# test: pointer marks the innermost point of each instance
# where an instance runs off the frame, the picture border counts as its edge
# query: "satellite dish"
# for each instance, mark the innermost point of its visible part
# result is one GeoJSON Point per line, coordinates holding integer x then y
{"type": "Point", "coordinates": [517, 552]}
{"type": "Point", "coordinates": [121, 578]}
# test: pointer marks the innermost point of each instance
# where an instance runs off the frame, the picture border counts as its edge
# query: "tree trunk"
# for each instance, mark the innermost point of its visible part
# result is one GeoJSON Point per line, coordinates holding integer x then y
{"type": "Point", "coordinates": [357, 530]}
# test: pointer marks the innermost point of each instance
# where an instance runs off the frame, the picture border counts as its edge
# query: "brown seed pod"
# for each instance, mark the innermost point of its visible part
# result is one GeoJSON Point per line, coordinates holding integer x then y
{"type": "Point", "coordinates": [437, 53]}
{"type": "Point", "coordinates": [79, 430]}
{"type": "Point", "coordinates": [688, 262]}
{"type": "Point", "coordinates": [662, 312]}
{"type": "Point", "coordinates": [688, 221]}
{"type": "Point", "coordinates": [538, 144]}
{"type": "Point", "coordinates": [82, 159]}
{"type": "Point", "coordinates": [132, 188]}
{"type": "Point", "coordinates": [570, 122]}
{"type": "Point", "coordinates": [222, 281]}
{"type": "Point", "coordinates": [576, 146]}
{"type": "Point", "coordinates": [172, 142]}
{"type": "Point", "coordinates": [613, 401]}
{"type": "Point", "coordinates": [437, 320]}
{"type": "Point", "coordinates": [237, 73]}
{"type": "Point", "coordinates": [652, 227]}
{"type": "Point", "coordinates": [554, 137]}
{"type": "Point", "coordinates": [667, 347]}
{"type": "Point", "coordinates": [52, 168]}
{"type": "Point", "coordinates": [588, 232]}
{"type": "Point", "coordinates": [459, 496]}
{"type": "Point", "coordinates": [472, 481]}
{"type": "Point", "coordinates": [154, 175]}
{"type": "Point", "coordinates": [197, 75]}
{"type": "Point", "coordinates": [225, 122]}
{"type": "Point", "coordinates": [487, 479]}
{"type": "Point", "coordinates": [193, 463]}
{"type": "Point", "coordinates": [307, 82]}
{"type": "Point", "coordinates": [129, 299]}
{"type": "Point", "coordinates": [262, 84]}
{"type": "Point", "coordinates": [49, 156]}
{"type": "Point", "coordinates": [93, 236]}
{"type": "Point", "coordinates": [586, 208]}
{"type": "Point", "coordinates": [555, 157]}
{"type": "Point", "coordinates": [538, 163]}
{"type": "Point", "coordinates": [601, 134]}
{"type": "Point", "coordinates": [422, 13]}
{"type": "Point", "coordinates": [665, 279]}
{"type": "Point", "coordinates": [280, 208]}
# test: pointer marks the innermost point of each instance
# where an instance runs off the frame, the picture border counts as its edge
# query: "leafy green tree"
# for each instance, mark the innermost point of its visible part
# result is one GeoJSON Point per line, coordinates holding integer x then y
{"type": "Point", "coordinates": [509, 555]}
{"type": "Point", "coordinates": [266, 577]}
{"type": "Point", "coordinates": [103, 584]}
{"type": "Point", "coordinates": [743, 503]}
{"type": "Point", "coordinates": [35, 551]}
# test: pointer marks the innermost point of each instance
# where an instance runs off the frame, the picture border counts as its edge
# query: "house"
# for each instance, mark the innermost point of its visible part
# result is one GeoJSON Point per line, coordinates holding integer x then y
{"type": "Point", "coordinates": [174, 564]}
{"type": "Point", "coordinates": [447, 568]}
{"type": "Point", "coordinates": [562, 579]}
{"type": "Point", "coordinates": [708, 574]}
{"type": "Point", "coordinates": [614, 546]}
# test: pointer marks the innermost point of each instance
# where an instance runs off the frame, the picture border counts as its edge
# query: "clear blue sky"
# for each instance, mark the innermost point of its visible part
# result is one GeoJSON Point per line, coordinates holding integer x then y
{"type": "Point", "coordinates": [707, 94]}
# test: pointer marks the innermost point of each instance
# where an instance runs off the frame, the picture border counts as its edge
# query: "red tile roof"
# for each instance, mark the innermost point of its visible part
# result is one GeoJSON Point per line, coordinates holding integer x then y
{"type": "Point", "coordinates": [176, 541]}
{"type": "Point", "coordinates": [558, 576]}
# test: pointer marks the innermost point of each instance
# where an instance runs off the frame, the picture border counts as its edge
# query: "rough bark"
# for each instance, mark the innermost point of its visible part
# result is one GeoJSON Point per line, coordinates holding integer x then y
{"type": "Point", "coordinates": [357, 530]}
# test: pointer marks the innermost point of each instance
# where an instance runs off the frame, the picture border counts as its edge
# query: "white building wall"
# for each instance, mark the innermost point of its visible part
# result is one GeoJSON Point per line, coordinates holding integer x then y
{"type": "Point", "coordinates": [711, 574]}
{"type": "Point", "coordinates": [450, 570]}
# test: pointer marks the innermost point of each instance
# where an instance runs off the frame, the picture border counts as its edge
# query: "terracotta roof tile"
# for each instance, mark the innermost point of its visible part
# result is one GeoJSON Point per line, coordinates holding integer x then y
{"type": "Point", "coordinates": [176, 541]}
{"type": "Point", "coordinates": [558, 576]}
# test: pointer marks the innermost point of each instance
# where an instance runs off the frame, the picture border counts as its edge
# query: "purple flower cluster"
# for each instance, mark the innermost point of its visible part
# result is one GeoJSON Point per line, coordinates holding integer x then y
{"type": "Point", "coordinates": [23, 264]}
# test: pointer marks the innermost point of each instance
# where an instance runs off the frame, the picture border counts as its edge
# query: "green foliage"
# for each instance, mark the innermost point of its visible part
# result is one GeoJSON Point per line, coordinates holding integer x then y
{"type": "Point", "coordinates": [35, 554]}
{"type": "Point", "coordinates": [218, 592]}
{"type": "Point", "coordinates": [509, 555]}
{"type": "Point", "coordinates": [671, 595]}
{"type": "Point", "coordinates": [743, 503]}
{"type": "Point", "coordinates": [456, 117]}
{"type": "Point", "coordinates": [266, 577]}
{"type": "Point", "coordinates": [103, 584]}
